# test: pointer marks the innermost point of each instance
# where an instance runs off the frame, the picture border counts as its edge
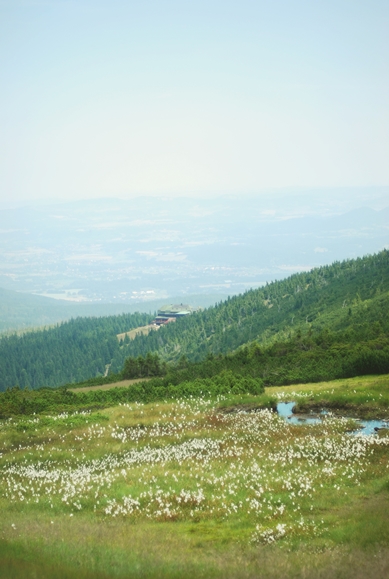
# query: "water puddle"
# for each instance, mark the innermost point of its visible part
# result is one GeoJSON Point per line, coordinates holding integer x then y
{"type": "Point", "coordinates": [371, 426]}
{"type": "Point", "coordinates": [285, 409]}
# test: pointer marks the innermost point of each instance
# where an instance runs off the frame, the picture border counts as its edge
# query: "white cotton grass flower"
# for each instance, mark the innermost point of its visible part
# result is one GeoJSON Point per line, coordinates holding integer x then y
{"type": "Point", "coordinates": [189, 463]}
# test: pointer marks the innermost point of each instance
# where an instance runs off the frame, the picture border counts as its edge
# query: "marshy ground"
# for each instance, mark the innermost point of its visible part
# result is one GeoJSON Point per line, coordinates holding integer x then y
{"type": "Point", "coordinates": [185, 489]}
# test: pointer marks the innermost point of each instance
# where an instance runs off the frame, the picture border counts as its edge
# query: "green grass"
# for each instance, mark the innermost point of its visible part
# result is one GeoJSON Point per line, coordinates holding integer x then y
{"type": "Point", "coordinates": [364, 397]}
{"type": "Point", "coordinates": [195, 488]}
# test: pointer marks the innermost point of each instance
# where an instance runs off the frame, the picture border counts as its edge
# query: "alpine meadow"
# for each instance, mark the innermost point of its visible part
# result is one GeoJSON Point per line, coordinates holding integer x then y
{"type": "Point", "coordinates": [169, 453]}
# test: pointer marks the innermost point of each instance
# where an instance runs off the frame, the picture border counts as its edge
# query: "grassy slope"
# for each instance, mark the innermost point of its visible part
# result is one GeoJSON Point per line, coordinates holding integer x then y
{"type": "Point", "coordinates": [242, 475]}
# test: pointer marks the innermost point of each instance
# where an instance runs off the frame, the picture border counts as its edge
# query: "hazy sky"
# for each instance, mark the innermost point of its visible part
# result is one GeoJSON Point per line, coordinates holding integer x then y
{"type": "Point", "coordinates": [121, 97]}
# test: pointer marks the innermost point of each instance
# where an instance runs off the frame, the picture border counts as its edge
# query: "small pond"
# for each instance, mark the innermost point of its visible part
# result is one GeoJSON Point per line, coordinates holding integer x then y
{"type": "Point", "coordinates": [285, 409]}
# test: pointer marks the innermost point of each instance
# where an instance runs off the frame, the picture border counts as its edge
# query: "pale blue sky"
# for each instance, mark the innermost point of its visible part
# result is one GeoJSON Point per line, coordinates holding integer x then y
{"type": "Point", "coordinates": [121, 98]}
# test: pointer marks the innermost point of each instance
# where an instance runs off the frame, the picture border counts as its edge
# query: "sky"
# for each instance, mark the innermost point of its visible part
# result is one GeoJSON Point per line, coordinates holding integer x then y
{"type": "Point", "coordinates": [121, 98]}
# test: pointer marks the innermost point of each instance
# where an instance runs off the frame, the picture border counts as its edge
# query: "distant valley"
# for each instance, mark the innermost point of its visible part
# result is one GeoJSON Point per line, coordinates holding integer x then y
{"type": "Point", "coordinates": [147, 249]}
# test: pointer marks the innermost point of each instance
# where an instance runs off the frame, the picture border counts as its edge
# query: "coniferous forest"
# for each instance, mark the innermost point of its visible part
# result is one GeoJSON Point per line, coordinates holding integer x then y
{"type": "Point", "coordinates": [331, 322]}
{"type": "Point", "coordinates": [70, 352]}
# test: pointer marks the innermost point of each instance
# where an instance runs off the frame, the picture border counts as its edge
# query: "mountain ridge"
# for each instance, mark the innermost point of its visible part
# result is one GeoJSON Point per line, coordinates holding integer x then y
{"type": "Point", "coordinates": [347, 297]}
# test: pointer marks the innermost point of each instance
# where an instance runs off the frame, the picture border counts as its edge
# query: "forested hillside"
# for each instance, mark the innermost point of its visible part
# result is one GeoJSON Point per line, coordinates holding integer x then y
{"type": "Point", "coordinates": [24, 312]}
{"type": "Point", "coordinates": [71, 352]}
{"type": "Point", "coordinates": [314, 325]}
{"type": "Point", "coordinates": [343, 295]}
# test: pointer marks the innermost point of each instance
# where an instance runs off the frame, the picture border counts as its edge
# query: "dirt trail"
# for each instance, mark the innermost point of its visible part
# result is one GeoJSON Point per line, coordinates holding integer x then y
{"type": "Point", "coordinates": [137, 332]}
{"type": "Point", "coordinates": [121, 384]}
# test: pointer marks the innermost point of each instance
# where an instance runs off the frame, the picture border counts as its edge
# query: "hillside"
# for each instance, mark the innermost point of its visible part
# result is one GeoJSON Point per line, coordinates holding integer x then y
{"type": "Point", "coordinates": [327, 314]}
{"type": "Point", "coordinates": [70, 352]}
{"type": "Point", "coordinates": [350, 294]}
{"type": "Point", "coordinates": [23, 311]}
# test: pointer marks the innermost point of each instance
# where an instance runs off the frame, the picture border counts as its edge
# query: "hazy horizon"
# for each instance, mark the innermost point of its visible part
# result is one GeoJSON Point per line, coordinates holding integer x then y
{"type": "Point", "coordinates": [168, 148]}
{"type": "Point", "coordinates": [127, 99]}
{"type": "Point", "coordinates": [121, 251]}
{"type": "Point", "coordinates": [343, 198]}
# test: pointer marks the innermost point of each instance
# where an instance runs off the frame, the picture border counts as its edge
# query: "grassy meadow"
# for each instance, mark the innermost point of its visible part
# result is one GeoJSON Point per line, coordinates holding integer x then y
{"type": "Point", "coordinates": [198, 488]}
{"type": "Point", "coordinates": [364, 397]}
